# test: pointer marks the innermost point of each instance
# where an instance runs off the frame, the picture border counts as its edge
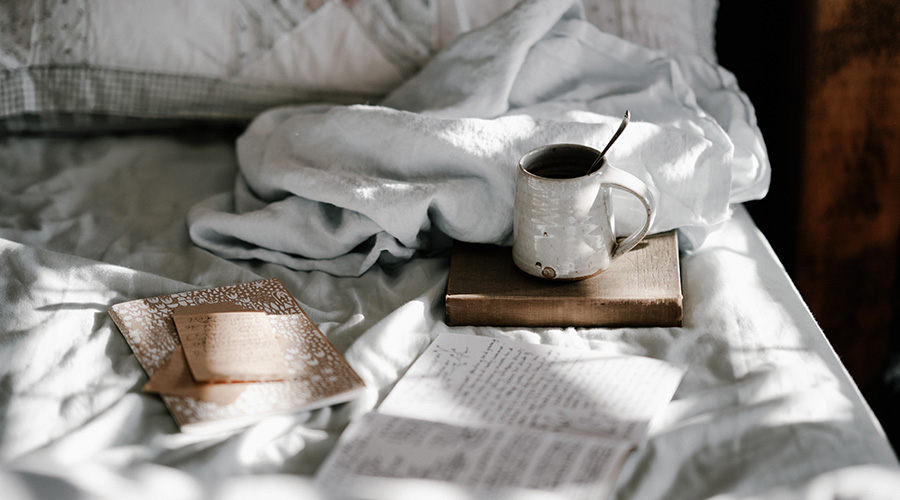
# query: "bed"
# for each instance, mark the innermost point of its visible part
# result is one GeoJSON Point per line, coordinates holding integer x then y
{"type": "Point", "coordinates": [155, 148]}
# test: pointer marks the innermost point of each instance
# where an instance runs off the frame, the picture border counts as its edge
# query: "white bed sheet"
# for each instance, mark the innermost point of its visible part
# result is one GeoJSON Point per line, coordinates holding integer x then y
{"type": "Point", "coordinates": [766, 410]}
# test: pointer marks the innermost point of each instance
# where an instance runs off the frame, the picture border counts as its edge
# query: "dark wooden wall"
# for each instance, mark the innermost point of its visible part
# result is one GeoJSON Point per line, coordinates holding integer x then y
{"type": "Point", "coordinates": [825, 78]}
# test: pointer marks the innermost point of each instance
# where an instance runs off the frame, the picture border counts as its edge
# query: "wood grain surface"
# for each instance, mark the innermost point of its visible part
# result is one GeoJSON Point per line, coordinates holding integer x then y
{"type": "Point", "coordinates": [849, 201]}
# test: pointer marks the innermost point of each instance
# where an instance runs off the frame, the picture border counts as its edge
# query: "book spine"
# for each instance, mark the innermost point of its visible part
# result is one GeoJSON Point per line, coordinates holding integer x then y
{"type": "Point", "coordinates": [477, 310]}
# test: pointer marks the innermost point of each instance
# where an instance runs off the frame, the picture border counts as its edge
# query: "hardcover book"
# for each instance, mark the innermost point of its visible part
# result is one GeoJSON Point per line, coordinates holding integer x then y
{"type": "Point", "coordinates": [640, 288]}
{"type": "Point", "coordinates": [494, 415]}
{"type": "Point", "coordinates": [312, 373]}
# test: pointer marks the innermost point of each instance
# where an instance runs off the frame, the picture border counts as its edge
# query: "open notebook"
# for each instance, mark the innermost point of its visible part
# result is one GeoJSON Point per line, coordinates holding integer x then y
{"type": "Point", "coordinates": [494, 414]}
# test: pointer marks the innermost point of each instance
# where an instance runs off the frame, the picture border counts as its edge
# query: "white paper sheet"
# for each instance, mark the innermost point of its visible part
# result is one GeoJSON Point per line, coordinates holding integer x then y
{"type": "Point", "coordinates": [491, 413]}
{"type": "Point", "coordinates": [478, 380]}
{"type": "Point", "coordinates": [486, 458]}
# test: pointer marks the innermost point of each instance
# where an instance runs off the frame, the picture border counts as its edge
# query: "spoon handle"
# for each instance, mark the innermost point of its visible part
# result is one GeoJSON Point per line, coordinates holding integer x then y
{"type": "Point", "coordinates": [611, 141]}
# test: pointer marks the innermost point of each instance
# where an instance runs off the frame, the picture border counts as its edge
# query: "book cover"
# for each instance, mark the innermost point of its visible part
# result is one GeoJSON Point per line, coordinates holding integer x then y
{"type": "Point", "coordinates": [494, 414]}
{"type": "Point", "coordinates": [640, 288]}
{"type": "Point", "coordinates": [319, 374]}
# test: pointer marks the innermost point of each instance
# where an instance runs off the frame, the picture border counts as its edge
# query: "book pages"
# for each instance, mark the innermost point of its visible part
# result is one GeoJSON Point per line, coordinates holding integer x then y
{"type": "Point", "coordinates": [469, 379]}
{"type": "Point", "coordinates": [492, 414]}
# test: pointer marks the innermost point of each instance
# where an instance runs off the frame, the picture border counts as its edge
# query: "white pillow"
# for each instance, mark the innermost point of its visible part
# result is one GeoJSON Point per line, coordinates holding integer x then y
{"type": "Point", "coordinates": [677, 26]}
{"type": "Point", "coordinates": [83, 64]}
{"type": "Point", "coordinates": [208, 59]}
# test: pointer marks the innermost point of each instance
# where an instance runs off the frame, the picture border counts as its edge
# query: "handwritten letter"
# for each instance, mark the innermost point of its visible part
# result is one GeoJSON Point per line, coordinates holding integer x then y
{"type": "Point", "coordinates": [492, 413]}
{"type": "Point", "coordinates": [230, 347]}
{"type": "Point", "coordinates": [385, 446]}
{"type": "Point", "coordinates": [468, 379]}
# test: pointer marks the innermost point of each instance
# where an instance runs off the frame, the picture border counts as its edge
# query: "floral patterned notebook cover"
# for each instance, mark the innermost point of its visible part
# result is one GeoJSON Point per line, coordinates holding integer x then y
{"type": "Point", "coordinates": [320, 376]}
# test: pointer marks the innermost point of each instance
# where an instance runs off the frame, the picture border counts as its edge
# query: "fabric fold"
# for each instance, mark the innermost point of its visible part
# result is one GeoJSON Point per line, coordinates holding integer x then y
{"type": "Point", "coordinates": [341, 188]}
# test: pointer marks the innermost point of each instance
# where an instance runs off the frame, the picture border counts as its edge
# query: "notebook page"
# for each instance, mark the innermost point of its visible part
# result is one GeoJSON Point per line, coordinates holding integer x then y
{"type": "Point", "coordinates": [467, 379]}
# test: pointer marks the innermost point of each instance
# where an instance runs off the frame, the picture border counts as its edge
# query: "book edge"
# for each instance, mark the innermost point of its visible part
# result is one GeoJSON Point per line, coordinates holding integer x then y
{"type": "Point", "coordinates": [356, 388]}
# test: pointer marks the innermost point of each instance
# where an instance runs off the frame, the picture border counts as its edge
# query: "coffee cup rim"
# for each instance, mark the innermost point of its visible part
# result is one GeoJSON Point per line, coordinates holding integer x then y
{"type": "Point", "coordinates": [564, 145]}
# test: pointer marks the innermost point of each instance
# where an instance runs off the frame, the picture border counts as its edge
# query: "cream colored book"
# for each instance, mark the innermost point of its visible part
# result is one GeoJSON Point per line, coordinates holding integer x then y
{"type": "Point", "coordinates": [641, 288]}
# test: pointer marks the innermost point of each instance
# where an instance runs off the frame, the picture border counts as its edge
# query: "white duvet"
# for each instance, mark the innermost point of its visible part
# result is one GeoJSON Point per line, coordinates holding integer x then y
{"type": "Point", "coordinates": [339, 188]}
{"type": "Point", "coordinates": [765, 410]}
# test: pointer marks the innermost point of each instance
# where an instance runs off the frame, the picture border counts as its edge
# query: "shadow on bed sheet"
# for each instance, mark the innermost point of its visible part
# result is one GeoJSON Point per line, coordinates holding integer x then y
{"type": "Point", "coordinates": [775, 56]}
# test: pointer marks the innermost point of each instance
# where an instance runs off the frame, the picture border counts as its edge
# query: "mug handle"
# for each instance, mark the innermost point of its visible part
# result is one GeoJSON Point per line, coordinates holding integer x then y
{"type": "Point", "coordinates": [613, 177]}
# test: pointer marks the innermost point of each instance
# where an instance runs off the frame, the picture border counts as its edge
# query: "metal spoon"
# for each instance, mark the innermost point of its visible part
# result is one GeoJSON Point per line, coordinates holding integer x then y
{"type": "Point", "coordinates": [611, 141]}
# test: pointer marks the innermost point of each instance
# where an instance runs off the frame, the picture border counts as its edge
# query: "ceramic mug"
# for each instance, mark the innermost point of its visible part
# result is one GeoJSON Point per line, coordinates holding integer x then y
{"type": "Point", "coordinates": [563, 218]}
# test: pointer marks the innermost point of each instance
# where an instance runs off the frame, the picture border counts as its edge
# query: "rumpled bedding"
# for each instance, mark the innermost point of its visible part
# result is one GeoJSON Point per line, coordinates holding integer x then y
{"type": "Point", "coordinates": [765, 410]}
{"type": "Point", "coordinates": [341, 188]}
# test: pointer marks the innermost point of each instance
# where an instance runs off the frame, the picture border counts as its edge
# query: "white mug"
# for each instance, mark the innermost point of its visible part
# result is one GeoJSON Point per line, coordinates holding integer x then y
{"type": "Point", "coordinates": [563, 220]}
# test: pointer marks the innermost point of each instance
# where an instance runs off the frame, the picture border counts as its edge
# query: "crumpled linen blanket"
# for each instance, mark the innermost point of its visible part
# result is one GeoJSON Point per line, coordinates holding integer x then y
{"type": "Point", "coordinates": [341, 188]}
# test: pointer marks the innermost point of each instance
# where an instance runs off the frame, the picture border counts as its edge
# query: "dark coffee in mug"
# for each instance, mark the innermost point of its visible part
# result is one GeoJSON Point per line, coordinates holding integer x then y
{"type": "Point", "coordinates": [562, 163]}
